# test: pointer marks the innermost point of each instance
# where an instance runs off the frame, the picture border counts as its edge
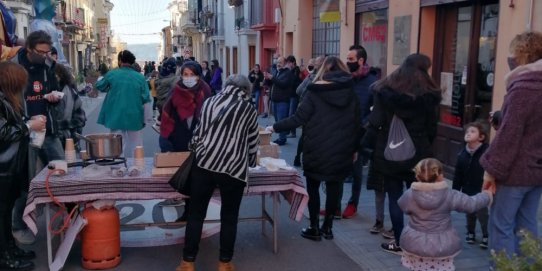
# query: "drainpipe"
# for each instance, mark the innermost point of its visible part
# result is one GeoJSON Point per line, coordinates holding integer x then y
{"type": "Point", "coordinates": [530, 11]}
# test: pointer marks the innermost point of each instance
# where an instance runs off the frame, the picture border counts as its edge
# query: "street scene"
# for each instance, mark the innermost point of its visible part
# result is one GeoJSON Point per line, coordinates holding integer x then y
{"type": "Point", "coordinates": [270, 135]}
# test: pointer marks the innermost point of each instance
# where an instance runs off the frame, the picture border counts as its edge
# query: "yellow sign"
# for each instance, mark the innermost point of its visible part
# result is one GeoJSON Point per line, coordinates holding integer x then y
{"type": "Point", "coordinates": [101, 20]}
{"type": "Point", "coordinates": [329, 11]}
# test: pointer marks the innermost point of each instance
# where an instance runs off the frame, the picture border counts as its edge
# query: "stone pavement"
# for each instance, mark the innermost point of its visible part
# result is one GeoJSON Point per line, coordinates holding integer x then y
{"type": "Point", "coordinates": [353, 236]}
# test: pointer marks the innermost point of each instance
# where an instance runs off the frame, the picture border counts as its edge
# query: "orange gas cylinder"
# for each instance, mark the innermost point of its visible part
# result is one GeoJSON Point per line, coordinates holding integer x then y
{"type": "Point", "coordinates": [100, 239]}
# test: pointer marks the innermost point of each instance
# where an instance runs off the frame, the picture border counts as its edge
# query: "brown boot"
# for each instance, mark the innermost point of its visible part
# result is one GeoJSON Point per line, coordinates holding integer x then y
{"type": "Point", "coordinates": [222, 266]}
{"type": "Point", "coordinates": [185, 266]}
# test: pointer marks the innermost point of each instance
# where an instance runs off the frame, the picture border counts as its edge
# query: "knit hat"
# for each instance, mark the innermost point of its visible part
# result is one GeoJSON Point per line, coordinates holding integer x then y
{"type": "Point", "coordinates": [192, 65]}
{"type": "Point", "coordinates": [168, 67]}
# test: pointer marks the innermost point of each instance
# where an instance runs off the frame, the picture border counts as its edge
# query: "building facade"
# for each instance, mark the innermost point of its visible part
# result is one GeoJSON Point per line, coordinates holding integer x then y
{"type": "Point", "coordinates": [24, 13]}
{"type": "Point", "coordinates": [468, 43]}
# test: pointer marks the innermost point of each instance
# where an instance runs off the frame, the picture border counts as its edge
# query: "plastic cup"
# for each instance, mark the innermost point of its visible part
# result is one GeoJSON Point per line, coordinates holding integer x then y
{"type": "Point", "coordinates": [83, 154]}
{"type": "Point", "coordinates": [138, 152]}
{"type": "Point", "coordinates": [37, 138]}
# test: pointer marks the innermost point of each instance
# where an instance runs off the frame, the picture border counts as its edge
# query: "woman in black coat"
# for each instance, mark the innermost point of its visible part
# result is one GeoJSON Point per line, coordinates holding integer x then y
{"type": "Point", "coordinates": [329, 114]}
{"type": "Point", "coordinates": [14, 142]}
{"type": "Point", "coordinates": [410, 94]}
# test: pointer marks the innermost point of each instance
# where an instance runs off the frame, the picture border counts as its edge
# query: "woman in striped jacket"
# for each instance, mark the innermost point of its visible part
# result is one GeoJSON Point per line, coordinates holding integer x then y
{"type": "Point", "coordinates": [225, 144]}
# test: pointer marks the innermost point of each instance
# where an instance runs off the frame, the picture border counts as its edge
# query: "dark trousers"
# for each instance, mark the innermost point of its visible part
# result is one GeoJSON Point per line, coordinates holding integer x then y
{"type": "Point", "coordinates": [8, 194]}
{"type": "Point", "coordinates": [300, 145]}
{"type": "Point", "coordinates": [394, 188]}
{"type": "Point", "coordinates": [333, 189]}
{"type": "Point", "coordinates": [203, 184]}
{"type": "Point", "coordinates": [482, 215]}
{"type": "Point", "coordinates": [154, 107]}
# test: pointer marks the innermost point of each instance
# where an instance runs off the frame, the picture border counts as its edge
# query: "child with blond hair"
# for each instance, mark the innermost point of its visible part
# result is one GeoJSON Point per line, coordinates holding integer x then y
{"type": "Point", "coordinates": [429, 241]}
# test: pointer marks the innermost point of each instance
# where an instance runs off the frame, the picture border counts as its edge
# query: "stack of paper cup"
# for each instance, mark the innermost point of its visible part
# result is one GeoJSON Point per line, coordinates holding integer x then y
{"type": "Point", "coordinates": [69, 151]}
{"type": "Point", "coordinates": [139, 158]}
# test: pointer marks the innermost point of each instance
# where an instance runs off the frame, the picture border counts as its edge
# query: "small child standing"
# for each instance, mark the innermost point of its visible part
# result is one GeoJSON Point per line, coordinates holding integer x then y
{"type": "Point", "coordinates": [429, 241]}
{"type": "Point", "coordinates": [469, 176]}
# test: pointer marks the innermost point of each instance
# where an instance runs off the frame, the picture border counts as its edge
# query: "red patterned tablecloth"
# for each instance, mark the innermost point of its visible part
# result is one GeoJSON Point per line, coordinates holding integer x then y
{"type": "Point", "coordinates": [72, 187]}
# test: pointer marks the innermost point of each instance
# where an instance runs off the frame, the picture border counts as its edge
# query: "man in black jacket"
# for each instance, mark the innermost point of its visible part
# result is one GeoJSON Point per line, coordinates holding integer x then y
{"type": "Point", "coordinates": [281, 91]}
{"type": "Point", "coordinates": [39, 100]}
{"type": "Point", "coordinates": [356, 60]}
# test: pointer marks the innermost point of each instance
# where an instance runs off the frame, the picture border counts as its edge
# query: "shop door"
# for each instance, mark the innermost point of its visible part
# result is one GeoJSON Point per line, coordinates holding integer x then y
{"type": "Point", "coordinates": [464, 67]}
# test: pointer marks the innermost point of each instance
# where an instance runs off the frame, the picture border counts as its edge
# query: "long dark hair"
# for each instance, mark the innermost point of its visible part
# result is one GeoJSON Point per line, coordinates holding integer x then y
{"type": "Point", "coordinates": [214, 63]}
{"type": "Point", "coordinates": [411, 77]}
{"type": "Point", "coordinates": [65, 78]}
{"type": "Point", "coordinates": [13, 79]}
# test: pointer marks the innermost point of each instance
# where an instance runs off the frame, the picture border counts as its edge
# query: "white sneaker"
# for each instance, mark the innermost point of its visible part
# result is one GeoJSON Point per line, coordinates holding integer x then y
{"type": "Point", "coordinates": [25, 237]}
{"type": "Point", "coordinates": [171, 202]}
{"type": "Point", "coordinates": [156, 128]}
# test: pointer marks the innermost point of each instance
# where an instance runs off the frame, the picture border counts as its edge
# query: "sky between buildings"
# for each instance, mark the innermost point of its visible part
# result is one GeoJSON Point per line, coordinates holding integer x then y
{"type": "Point", "coordinates": [139, 21]}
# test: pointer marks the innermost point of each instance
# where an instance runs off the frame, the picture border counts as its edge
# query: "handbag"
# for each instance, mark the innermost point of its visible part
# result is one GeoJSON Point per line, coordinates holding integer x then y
{"type": "Point", "coordinates": [181, 180]}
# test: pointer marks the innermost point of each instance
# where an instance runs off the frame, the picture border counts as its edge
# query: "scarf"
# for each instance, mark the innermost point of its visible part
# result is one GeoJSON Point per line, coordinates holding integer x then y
{"type": "Point", "coordinates": [186, 103]}
{"type": "Point", "coordinates": [362, 71]}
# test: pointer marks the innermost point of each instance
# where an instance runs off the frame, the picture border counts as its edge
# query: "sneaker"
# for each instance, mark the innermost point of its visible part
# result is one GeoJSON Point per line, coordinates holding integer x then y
{"type": "Point", "coordinates": [483, 244]}
{"type": "Point", "coordinates": [171, 202]}
{"type": "Point", "coordinates": [470, 238]}
{"type": "Point", "coordinates": [264, 115]}
{"type": "Point", "coordinates": [389, 234]}
{"type": "Point", "coordinates": [378, 227]}
{"type": "Point", "coordinates": [291, 136]}
{"type": "Point", "coordinates": [185, 266]}
{"type": "Point", "coordinates": [25, 237]}
{"type": "Point", "coordinates": [392, 247]}
{"type": "Point", "coordinates": [349, 211]}
{"type": "Point", "coordinates": [222, 266]}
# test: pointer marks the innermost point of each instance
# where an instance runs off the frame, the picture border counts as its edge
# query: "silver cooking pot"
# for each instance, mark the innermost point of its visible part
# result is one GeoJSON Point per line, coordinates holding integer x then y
{"type": "Point", "coordinates": [103, 146]}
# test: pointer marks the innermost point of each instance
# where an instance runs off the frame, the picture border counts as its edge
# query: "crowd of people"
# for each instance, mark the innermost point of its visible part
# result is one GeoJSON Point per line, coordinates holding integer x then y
{"type": "Point", "coordinates": [347, 116]}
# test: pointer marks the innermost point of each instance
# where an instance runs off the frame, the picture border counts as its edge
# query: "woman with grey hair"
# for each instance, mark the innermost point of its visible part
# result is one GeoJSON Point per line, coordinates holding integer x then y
{"type": "Point", "coordinates": [225, 145]}
{"type": "Point", "coordinates": [241, 82]}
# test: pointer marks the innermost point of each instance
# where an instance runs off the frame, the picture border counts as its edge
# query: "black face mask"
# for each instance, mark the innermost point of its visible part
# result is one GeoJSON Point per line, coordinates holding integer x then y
{"type": "Point", "coordinates": [36, 58]}
{"type": "Point", "coordinates": [310, 68]}
{"type": "Point", "coordinates": [352, 66]}
{"type": "Point", "coordinates": [512, 63]}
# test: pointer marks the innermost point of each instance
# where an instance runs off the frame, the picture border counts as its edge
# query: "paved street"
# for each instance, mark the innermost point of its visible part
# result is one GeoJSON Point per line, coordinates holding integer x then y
{"type": "Point", "coordinates": [353, 248]}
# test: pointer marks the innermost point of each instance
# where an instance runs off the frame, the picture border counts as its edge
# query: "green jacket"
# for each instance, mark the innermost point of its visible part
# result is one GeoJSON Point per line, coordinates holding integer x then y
{"type": "Point", "coordinates": [127, 92]}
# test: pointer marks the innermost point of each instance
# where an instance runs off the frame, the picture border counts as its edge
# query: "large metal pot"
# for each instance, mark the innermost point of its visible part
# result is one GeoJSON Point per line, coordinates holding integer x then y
{"type": "Point", "coordinates": [103, 146]}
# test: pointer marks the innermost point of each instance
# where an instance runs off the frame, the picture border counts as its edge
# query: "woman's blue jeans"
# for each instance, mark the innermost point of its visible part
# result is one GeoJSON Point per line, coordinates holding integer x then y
{"type": "Point", "coordinates": [513, 208]}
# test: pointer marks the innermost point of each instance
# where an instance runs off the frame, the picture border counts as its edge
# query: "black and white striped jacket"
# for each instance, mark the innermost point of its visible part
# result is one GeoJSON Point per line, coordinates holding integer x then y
{"type": "Point", "coordinates": [230, 144]}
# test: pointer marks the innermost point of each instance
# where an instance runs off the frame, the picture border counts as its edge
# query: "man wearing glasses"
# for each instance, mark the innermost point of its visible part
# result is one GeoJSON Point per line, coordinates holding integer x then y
{"type": "Point", "coordinates": [39, 100]}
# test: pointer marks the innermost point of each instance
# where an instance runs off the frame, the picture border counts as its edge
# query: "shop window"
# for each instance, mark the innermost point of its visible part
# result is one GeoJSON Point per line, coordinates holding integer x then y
{"type": "Point", "coordinates": [325, 36]}
{"type": "Point", "coordinates": [373, 36]}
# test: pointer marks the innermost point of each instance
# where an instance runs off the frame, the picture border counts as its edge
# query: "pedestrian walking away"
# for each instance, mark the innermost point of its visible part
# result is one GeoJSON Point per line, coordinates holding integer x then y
{"type": "Point", "coordinates": [410, 94]}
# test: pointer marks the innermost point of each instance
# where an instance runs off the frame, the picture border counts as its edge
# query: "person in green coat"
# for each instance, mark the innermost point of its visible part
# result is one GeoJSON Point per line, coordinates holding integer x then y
{"type": "Point", "coordinates": [123, 108]}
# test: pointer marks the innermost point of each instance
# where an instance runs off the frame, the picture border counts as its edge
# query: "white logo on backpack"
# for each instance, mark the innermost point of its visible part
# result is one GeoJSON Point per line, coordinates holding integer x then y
{"type": "Point", "coordinates": [404, 149]}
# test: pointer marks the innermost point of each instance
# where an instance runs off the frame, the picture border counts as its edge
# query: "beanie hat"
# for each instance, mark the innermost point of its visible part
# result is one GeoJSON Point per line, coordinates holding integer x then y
{"type": "Point", "coordinates": [168, 67]}
{"type": "Point", "coordinates": [192, 65]}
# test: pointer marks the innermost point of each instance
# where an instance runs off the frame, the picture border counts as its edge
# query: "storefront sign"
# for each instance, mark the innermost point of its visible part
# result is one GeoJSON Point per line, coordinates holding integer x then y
{"type": "Point", "coordinates": [401, 38]}
{"type": "Point", "coordinates": [374, 33]}
{"type": "Point", "coordinates": [329, 11]}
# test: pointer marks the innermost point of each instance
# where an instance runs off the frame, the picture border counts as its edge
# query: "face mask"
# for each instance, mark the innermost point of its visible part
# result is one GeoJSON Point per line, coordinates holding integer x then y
{"type": "Point", "coordinates": [352, 66]}
{"type": "Point", "coordinates": [190, 81]}
{"type": "Point", "coordinates": [310, 68]}
{"type": "Point", "coordinates": [36, 58]}
{"type": "Point", "coordinates": [512, 63]}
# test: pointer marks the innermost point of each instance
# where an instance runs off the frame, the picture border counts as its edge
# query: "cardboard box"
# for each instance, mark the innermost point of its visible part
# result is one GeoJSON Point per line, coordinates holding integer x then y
{"type": "Point", "coordinates": [163, 171]}
{"type": "Point", "coordinates": [170, 159]}
{"type": "Point", "coordinates": [268, 151]}
{"type": "Point", "coordinates": [265, 138]}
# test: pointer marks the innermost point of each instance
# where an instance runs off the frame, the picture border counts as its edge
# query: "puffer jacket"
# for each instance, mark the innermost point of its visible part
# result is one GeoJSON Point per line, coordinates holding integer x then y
{"type": "Point", "coordinates": [163, 86]}
{"type": "Point", "coordinates": [330, 117]}
{"type": "Point", "coordinates": [14, 142]}
{"type": "Point", "coordinates": [420, 116]}
{"type": "Point", "coordinates": [429, 232]}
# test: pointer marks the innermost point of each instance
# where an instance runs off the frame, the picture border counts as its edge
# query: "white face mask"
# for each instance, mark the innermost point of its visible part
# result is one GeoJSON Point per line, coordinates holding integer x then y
{"type": "Point", "coordinates": [190, 81]}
